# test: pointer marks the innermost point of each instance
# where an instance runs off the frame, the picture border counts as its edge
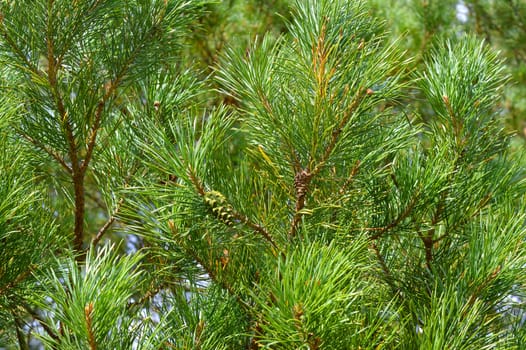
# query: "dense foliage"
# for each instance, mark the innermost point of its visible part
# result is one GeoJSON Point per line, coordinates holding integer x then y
{"type": "Point", "coordinates": [262, 174]}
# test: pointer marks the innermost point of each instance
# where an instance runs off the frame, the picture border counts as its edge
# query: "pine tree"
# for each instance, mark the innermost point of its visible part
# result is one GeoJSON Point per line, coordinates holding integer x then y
{"type": "Point", "coordinates": [500, 24]}
{"type": "Point", "coordinates": [313, 186]}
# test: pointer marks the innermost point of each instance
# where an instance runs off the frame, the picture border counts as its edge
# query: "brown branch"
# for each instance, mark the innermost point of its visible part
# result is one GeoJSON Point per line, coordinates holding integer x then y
{"type": "Point", "coordinates": [388, 275]}
{"type": "Point", "coordinates": [148, 295]}
{"type": "Point", "coordinates": [79, 168]}
{"type": "Point", "coordinates": [88, 313]}
{"type": "Point", "coordinates": [17, 280]}
{"type": "Point", "coordinates": [258, 228]}
{"type": "Point", "coordinates": [456, 122]}
{"type": "Point", "coordinates": [22, 342]}
{"type": "Point", "coordinates": [353, 173]}
{"type": "Point", "coordinates": [304, 177]}
{"type": "Point", "coordinates": [49, 151]}
{"type": "Point", "coordinates": [296, 164]}
{"type": "Point", "coordinates": [16, 49]}
{"type": "Point", "coordinates": [80, 209]}
{"type": "Point", "coordinates": [428, 247]}
{"type": "Point", "coordinates": [402, 216]}
{"type": "Point", "coordinates": [90, 145]}
{"type": "Point", "coordinates": [111, 88]}
{"type": "Point", "coordinates": [77, 172]}
{"type": "Point", "coordinates": [195, 181]}
{"type": "Point", "coordinates": [302, 181]}
{"type": "Point", "coordinates": [360, 94]}
{"type": "Point", "coordinates": [427, 239]}
{"type": "Point", "coordinates": [320, 55]}
{"type": "Point", "coordinates": [108, 224]}
{"type": "Point", "coordinates": [231, 213]}
{"type": "Point", "coordinates": [42, 323]}
{"type": "Point", "coordinates": [473, 297]}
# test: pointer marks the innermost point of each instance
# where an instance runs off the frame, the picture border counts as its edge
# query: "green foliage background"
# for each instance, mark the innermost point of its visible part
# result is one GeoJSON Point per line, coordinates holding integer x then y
{"type": "Point", "coordinates": [246, 174]}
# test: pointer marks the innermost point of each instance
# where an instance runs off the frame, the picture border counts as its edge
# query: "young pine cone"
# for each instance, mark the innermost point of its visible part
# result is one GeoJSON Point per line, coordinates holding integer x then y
{"type": "Point", "coordinates": [219, 207]}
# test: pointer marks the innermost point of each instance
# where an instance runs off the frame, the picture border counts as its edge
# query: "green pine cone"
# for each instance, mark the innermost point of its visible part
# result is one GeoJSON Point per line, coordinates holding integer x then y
{"type": "Point", "coordinates": [219, 207]}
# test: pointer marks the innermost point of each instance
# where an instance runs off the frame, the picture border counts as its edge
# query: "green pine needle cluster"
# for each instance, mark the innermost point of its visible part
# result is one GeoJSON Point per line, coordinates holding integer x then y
{"type": "Point", "coordinates": [215, 175]}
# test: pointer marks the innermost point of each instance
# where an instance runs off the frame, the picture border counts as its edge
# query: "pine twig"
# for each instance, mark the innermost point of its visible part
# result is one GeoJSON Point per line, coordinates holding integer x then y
{"type": "Point", "coordinates": [387, 272]}
{"type": "Point", "coordinates": [242, 218]}
{"type": "Point", "coordinates": [42, 323]}
{"type": "Point", "coordinates": [353, 173]}
{"type": "Point", "coordinates": [148, 295]}
{"type": "Point", "coordinates": [304, 177]}
{"type": "Point", "coordinates": [393, 224]}
{"type": "Point", "coordinates": [336, 133]}
{"type": "Point", "coordinates": [22, 342]}
{"type": "Point", "coordinates": [427, 240]}
{"type": "Point", "coordinates": [108, 224]}
{"type": "Point", "coordinates": [76, 171]}
{"type": "Point", "coordinates": [17, 280]}
{"type": "Point", "coordinates": [195, 181]}
{"type": "Point", "coordinates": [88, 315]}
{"type": "Point", "coordinates": [49, 151]}
{"type": "Point", "coordinates": [257, 228]}
{"type": "Point", "coordinates": [474, 296]}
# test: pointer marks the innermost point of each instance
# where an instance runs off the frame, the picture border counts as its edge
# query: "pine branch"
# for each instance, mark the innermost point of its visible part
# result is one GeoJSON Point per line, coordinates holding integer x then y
{"type": "Point", "coordinates": [42, 323]}
{"type": "Point", "coordinates": [78, 184]}
{"type": "Point", "coordinates": [407, 211]}
{"type": "Point", "coordinates": [427, 241]}
{"type": "Point", "coordinates": [455, 121]}
{"type": "Point", "coordinates": [49, 151]}
{"type": "Point", "coordinates": [77, 173]}
{"type": "Point", "coordinates": [110, 89]}
{"type": "Point", "coordinates": [108, 224]}
{"type": "Point", "coordinates": [389, 278]}
{"type": "Point", "coordinates": [257, 228]}
{"type": "Point", "coordinates": [88, 315]}
{"type": "Point", "coordinates": [22, 342]}
{"type": "Point", "coordinates": [224, 212]}
{"type": "Point", "coordinates": [79, 168]}
{"type": "Point", "coordinates": [94, 130]}
{"type": "Point", "coordinates": [335, 137]}
{"type": "Point", "coordinates": [475, 295]}
{"type": "Point", "coordinates": [19, 279]}
{"type": "Point", "coordinates": [352, 174]}
{"type": "Point", "coordinates": [18, 52]}
{"type": "Point", "coordinates": [195, 181]}
{"type": "Point", "coordinates": [304, 177]}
